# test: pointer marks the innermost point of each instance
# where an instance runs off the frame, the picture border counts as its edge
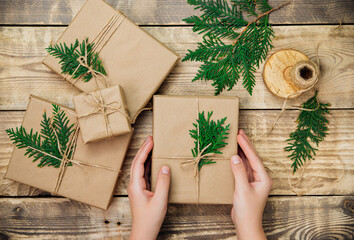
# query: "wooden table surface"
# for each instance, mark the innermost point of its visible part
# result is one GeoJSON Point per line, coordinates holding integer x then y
{"type": "Point", "coordinates": [325, 212]}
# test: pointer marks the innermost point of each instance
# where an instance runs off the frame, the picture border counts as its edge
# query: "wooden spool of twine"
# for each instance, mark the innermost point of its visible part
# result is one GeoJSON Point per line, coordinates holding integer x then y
{"type": "Point", "coordinates": [288, 72]}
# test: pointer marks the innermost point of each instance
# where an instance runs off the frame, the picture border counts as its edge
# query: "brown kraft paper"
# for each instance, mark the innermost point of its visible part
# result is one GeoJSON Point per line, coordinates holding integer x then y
{"type": "Point", "coordinates": [102, 120]}
{"type": "Point", "coordinates": [87, 184]}
{"type": "Point", "coordinates": [173, 118]}
{"type": "Point", "coordinates": [131, 57]}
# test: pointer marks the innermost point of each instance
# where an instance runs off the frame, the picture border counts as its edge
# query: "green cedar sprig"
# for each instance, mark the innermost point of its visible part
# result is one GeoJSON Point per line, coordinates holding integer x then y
{"type": "Point", "coordinates": [45, 141]}
{"type": "Point", "coordinates": [312, 127]}
{"type": "Point", "coordinates": [69, 55]}
{"type": "Point", "coordinates": [224, 63]}
{"type": "Point", "coordinates": [210, 132]}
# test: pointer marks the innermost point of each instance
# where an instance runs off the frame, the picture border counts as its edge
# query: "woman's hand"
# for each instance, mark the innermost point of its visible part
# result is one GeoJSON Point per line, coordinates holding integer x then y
{"type": "Point", "coordinates": [148, 208]}
{"type": "Point", "coordinates": [252, 186]}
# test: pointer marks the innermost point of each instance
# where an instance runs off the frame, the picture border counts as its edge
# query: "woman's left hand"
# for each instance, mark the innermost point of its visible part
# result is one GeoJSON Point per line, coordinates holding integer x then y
{"type": "Point", "coordinates": [148, 208]}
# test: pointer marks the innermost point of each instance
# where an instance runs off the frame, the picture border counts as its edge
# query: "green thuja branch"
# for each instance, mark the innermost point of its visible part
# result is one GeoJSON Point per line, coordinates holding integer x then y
{"type": "Point", "coordinates": [312, 127]}
{"type": "Point", "coordinates": [54, 134]}
{"type": "Point", "coordinates": [224, 63]}
{"type": "Point", "coordinates": [210, 132]}
{"type": "Point", "coordinates": [69, 59]}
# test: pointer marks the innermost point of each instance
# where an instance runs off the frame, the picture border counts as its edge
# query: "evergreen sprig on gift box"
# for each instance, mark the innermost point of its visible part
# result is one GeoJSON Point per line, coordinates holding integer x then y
{"type": "Point", "coordinates": [55, 133]}
{"type": "Point", "coordinates": [312, 127]}
{"type": "Point", "coordinates": [69, 59]}
{"type": "Point", "coordinates": [210, 133]}
{"type": "Point", "coordinates": [224, 62]}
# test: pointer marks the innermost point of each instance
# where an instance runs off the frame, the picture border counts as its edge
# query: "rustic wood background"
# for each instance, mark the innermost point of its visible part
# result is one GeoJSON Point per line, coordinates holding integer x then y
{"type": "Point", "coordinates": [326, 212]}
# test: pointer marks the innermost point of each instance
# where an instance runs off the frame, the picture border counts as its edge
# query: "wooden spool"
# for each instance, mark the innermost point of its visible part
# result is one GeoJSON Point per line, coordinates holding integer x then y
{"type": "Point", "coordinates": [287, 72]}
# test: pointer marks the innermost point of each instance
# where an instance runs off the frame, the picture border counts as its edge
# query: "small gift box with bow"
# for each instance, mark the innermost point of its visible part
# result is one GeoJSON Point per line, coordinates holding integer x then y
{"type": "Point", "coordinates": [196, 138]}
{"type": "Point", "coordinates": [50, 155]}
{"type": "Point", "coordinates": [102, 114]}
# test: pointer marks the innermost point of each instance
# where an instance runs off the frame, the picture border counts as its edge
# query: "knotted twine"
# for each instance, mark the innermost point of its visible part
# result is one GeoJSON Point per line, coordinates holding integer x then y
{"type": "Point", "coordinates": [65, 160]}
{"type": "Point", "coordinates": [97, 41]}
{"type": "Point", "coordinates": [108, 108]}
{"type": "Point", "coordinates": [199, 156]}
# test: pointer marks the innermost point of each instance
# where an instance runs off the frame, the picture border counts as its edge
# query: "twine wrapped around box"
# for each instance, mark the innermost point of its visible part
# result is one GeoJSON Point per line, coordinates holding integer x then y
{"type": "Point", "coordinates": [212, 184]}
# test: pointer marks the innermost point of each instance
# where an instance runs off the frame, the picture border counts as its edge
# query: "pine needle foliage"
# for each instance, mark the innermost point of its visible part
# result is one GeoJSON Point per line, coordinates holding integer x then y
{"type": "Point", "coordinates": [224, 62]}
{"type": "Point", "coordinates": [210, 132]}
{"type": "Point", "coordinates": [69, 55]}
{"type": "Point", "coordinates": [312, 128]}
{"type": "Point", "coordinates": [52, 130]}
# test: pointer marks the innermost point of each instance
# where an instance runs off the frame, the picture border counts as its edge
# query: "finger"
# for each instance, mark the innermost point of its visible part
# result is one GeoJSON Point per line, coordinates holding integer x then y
{"type": "Point", "coordinates": [247, 164]}
{"type": "Point", "coordinates": [233, 215]}
{"type": "Point", "coordinates": [137, 170]}
{"type": "Point", "coordinates": [240, 174]}
{"type": "Point", "coordinates": [147, 172]}
{"type": "Point", "coordinates": [252, 156]}
{"type": "Point", "coordinates": [241, 132]}
{"type": "Point", "coordinates": [137, 154]}
{"type": "Point", "coordinates": [162, 185]}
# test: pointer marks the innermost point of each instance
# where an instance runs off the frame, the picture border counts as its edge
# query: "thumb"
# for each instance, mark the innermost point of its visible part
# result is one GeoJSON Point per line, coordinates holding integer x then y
{"type": "Point", "coordinates": [162, 185]}
{"type": "Point", "coordinates": [239, 171]}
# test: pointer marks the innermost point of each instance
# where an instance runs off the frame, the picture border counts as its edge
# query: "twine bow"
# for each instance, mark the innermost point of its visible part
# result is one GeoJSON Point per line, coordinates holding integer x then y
{"type": "Point", "coordinates": [200, 155]}
{"type": "Point", "coordinates": [113, 23]}
{"type": "Point", "coordinates": [195, 161]}
{"type": "Point", "coordinates": [65, 160]}
{"type": "Point", "coordinates": [105, 109]}
{"type": "Point", "coordinates": [96, 75]}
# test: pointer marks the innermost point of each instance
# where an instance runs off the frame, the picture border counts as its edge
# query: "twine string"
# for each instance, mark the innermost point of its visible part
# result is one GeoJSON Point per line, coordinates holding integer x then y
{"type": "Point", "coordinates": [107, 109]}
{"type": "Point", "coordinates": [199, 156]}
{"type": "Point", "coordinates": [284, 107]}
{"type": "Point", "coordinates": [195, 161]}
{"type": "Point", "coordinates": [98, 39]}
{"type": "Point", "coordinates": [294, 186]}
{"type": "Point", "coordinates": [65, 159]}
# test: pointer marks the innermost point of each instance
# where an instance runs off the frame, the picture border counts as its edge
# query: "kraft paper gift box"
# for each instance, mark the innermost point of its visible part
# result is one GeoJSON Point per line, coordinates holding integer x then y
{"type": "Point", "coordinates": [90, 182]}
{"type": "Point", "coordinates": [131, 57]}
{"type": "Point", "coordinates": [102, 114]}
{"type": "Point", "coordinates": [173, 117]}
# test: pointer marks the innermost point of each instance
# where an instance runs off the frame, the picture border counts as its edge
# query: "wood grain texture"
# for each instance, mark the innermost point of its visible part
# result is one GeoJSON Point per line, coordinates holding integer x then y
{"type": "Point", "coordinates": [23, 48]}
{"type": "Point", "coordinates": [164, 12]}
{"type": "Point", "coordinates": [321, 173]}
{"type": "Point", "coordinates": [284, 218]}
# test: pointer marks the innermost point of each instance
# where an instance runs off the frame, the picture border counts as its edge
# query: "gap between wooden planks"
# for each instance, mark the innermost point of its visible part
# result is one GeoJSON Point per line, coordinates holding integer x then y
{"type": "Point", "coordinates": [23, 48]}
{"type": "Point", "coordinates": [323, 171]}
{"type": "Point", "coordinates": [284, 218]}
{"type": "Point", "coordinates": [168, 12]}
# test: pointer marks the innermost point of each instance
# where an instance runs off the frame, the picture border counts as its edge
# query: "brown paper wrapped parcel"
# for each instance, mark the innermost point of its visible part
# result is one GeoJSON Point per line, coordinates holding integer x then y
{"type": "Point", "coordinates": [131, 57]}
{"type": "Point", "coordinates": [102, 114]}
{"type": "Point", "coordinates": [173, 118]}
{"type": "Point", "coordinates": [87, 184]}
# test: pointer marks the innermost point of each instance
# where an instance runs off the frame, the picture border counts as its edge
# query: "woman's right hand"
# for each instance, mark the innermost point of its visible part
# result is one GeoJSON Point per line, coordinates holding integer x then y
{"type": "Point", "coordinates": [252, 186]}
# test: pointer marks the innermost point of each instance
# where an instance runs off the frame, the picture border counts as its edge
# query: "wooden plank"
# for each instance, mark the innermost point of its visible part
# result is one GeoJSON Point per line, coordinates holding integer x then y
{"type": "Point", "coordinates": [322, 173]}
{"type": "Point", "coordinates": [284, 218]}
{"type": "Point", "coordinates": [23, 48]}
{"type": "Point", "coordinates": [146, 12]}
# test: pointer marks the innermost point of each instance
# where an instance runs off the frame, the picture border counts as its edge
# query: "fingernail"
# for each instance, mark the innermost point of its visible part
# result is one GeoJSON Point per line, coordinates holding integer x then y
{"type": "Point", "coordinates": [235, 159]}
{"type": "Point", "coordinates": [165, 170]}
